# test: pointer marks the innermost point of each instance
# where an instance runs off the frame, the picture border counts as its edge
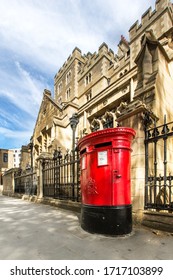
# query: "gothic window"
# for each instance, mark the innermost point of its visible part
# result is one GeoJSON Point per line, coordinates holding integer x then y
{"type": "Point", "coordinates": [68, 93]}
{"type": "Point", "coordinates": [60, 88]}
{"type": "Point", "coordinates": [79, 66]}
{"type": "Point", "coordinates": [45, 143]}
{"type": "Point", "coordinates": [68, 77]}
{"type": "Point", "coordinates": [40, 149]}
{"type": "Point", "coordinates": [107, 120]}
{"type": "Point", "coordinates": [95, 125]}
{"type": "Point", "coordinates": [5, 157]}
{"type": "Point", "coordinates": [88, 96]}
{"type": "Point", "coordinates": [88, 78]}
{"type": "Point", "coordinates": [59, 100]}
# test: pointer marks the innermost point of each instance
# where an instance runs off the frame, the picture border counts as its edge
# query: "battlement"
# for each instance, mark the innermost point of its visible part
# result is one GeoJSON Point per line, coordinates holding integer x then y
{"type": "Point", "coordinates": [91, 59]}
{"type": "Point", "coordinates": [76, 53]}
{"type": "Point", "coordinates": [148, 17]}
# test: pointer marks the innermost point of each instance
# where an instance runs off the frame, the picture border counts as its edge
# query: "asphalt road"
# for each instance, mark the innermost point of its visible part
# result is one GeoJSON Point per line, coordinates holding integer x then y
{"type": "Point", "coordinates": [30, 231]}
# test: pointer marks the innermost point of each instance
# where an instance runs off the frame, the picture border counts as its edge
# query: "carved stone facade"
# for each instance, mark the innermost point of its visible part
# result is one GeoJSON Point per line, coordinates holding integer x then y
{"type": "Point", "coordinates": [107, 89]}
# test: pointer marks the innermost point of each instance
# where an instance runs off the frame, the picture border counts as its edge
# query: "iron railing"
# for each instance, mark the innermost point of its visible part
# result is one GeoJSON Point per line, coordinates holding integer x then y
{"type": "Point", "coordinates": [26, 184]}
{"type": "Point", "coordinates": [61, 176]}
{"type": "Point", "coordinates": [159, 167]}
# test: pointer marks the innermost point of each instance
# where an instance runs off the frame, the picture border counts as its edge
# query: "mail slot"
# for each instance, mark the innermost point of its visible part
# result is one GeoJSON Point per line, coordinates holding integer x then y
{"type": "Point", "coordinates": [105, 157]}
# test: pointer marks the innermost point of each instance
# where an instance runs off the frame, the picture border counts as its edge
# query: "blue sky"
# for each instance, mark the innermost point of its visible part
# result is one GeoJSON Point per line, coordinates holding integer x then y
{"type": "Point", "coordinates": [36, 37]}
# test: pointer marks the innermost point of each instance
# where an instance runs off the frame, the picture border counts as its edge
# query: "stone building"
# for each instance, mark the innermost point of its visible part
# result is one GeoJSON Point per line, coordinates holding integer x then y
{"type": "Point", "coordinates": [25, 158]}
{"type": "Point", "coordinates": [6, 162]}
{"type": "Point", "coordinates": [16, 157]}
{"type": "Point", "coordinates": [107, 89]}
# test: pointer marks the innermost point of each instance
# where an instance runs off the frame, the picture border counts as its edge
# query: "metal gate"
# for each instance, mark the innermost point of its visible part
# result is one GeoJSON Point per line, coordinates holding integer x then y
{"type": "Point", "coordinates": [61, 176]}
{"type": "Point", "coordinates": [159, 167]}
{"type": "Point", "coordinates": [26, 183]}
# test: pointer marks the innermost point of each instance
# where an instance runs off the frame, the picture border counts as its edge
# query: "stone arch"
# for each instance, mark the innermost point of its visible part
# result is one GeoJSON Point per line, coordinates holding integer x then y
{"type": "Point", "coordinates": [108, 120]}
{"type": "Point", "coordinates": [95, 125]}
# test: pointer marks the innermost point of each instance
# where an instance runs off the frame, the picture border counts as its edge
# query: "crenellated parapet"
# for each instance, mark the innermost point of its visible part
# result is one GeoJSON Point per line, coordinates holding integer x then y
{"type": "Point", "coordinates": [87, 61]}
{"type": "Point", "coordinates": [149, 18]}
{"type": "Point", "coordinates": [76, 54]}
{"type": "Point", "coordinates": [92, 59]}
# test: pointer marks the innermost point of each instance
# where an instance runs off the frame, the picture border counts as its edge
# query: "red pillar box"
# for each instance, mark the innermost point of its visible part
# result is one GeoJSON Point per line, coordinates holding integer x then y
{"type": "Point", "coordinates": [105, 181]}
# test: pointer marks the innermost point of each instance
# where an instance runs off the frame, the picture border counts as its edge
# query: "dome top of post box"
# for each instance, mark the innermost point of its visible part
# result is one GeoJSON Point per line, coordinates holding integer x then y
{"type": "Point", "coordinates": [107, 135]}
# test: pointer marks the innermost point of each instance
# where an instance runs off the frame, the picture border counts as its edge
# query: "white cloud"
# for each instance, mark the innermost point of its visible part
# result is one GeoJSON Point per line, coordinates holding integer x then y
{"type": "Point", "coordinates": [47, 31]}
{"type": "Point", "coordinates": [37, 37]}
{"type": "Point", "coordinates": [21, 94]}
{"type": "Point", "coordinates": [22, 89]}
{"type": "Point", "coordinates": [7, 118]}
{"type": "Point", "coordinates": [44, 32]}
{"type": "Point", "coordinates": [15, 134]}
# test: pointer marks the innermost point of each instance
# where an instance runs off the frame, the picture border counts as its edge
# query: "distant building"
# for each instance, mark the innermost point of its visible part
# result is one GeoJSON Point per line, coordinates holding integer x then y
{"type": "Point", "coordinates": [6, 162]}
{"type": "Point", "coordinates": [16, 157]}
{"type": "Point", "coordinates": [25, 158]}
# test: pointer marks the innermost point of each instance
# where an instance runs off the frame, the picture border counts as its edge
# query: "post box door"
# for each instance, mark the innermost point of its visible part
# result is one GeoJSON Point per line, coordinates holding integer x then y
{"type": "Point", "coordinates": [121, 177]}
{"type": "Point", "coordinates": [96, 172]}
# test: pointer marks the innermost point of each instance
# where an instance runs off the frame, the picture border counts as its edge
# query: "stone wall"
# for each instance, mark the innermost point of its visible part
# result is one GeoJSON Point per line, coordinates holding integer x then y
{"type": "Point", "coordinates": [8, 181]}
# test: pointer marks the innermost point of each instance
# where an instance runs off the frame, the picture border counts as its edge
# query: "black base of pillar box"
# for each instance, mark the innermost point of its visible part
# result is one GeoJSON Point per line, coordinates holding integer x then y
{"type": "Point", "coordinates": [114, 220]}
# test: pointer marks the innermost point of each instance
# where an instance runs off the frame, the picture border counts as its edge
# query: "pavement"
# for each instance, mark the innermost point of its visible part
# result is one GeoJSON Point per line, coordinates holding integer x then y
{"type": "Point", "coordinates": [32, 231]}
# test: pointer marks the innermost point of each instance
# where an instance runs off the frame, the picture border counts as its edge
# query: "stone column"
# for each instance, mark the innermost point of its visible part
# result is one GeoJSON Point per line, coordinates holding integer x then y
{"type": "Point", "coordinates": [43, 156]}
{"type": "Point", "coordinates": [132, 117]}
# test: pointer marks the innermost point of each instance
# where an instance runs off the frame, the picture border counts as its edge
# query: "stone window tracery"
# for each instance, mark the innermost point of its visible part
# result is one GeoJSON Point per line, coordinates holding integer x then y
{"type": "Point", "coordinates": [60, 100]}
{"type": "Point", "coordinates": [95, 125]}
{"type": "Point", "coordinates": [88, 95]}
{"type": "Point", "coordinates": [68, 93]}
{"type": "Point", "coordinates": [68, 77]}
{"type": "Point", "coordinates": [107, 120]}
{"type": "Point", "coordinates": [60, 88]}
{"type": "Point", "coordinates": [88, 78]}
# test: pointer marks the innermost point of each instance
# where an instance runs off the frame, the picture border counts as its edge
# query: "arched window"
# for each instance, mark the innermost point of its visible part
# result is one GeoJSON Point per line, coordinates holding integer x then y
{"type": "Point", "coordinates": [107, 120]}
{"type": "Point", "coordinates": [68, 77]}
{"type": "Point", "coordinates": [60, 88]}
{"type": "Point", "coordinates": [68, 93]}
{"type": "Point", "coordinates": [89, 95]}
{"type": "Point", "coordinates": [95, 125]}
{"type": "Point", "coordinates": [88, 78]}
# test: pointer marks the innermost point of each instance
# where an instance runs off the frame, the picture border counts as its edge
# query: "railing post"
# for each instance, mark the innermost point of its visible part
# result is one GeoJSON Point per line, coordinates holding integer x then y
{"type": "Point", "coordinates": [30, 188]}
{"type": "Point", "coordinates": [146, 122]}
{"type": "Point", "coordinates": [57, 156]}
{"type": "Point", "coordinates": [155, 161]}
{"type": "Point", "coordinates": [165, 137]}
{"type": "Point", "coordinates": [74, 120]}
{"type": "Point", "coordinates": [40, 178]}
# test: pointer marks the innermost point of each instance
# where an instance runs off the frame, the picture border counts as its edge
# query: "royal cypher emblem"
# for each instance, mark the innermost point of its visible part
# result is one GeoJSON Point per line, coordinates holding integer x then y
{"type": "Point", "coordinates": [90, 187]}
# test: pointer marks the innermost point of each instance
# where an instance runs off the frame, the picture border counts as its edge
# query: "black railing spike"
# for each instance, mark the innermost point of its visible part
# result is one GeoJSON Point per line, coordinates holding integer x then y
{"type": "Point", "coordinates": [158, 187]}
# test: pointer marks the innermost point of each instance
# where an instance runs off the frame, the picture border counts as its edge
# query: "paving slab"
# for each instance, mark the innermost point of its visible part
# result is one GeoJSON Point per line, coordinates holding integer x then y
{"type": "Point", "coordinates": [32, 231]}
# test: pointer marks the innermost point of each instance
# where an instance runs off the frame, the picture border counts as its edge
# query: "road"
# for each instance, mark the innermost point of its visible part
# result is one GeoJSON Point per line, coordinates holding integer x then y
{"type": "Point", "coordinates": [31, 231]}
